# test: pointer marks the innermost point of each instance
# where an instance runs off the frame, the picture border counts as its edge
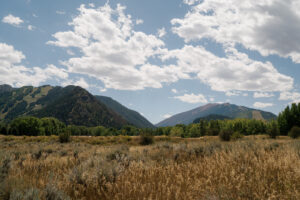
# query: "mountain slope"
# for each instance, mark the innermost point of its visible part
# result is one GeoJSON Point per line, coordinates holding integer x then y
{"type": "Point", "coordinates": [72, 105]}
{"type": "Point", "coordinates": [211, 117]}
{"type": "Point", "coordinates": [229, 110]}
{"type": "Point", "coordinates": [131, 116]}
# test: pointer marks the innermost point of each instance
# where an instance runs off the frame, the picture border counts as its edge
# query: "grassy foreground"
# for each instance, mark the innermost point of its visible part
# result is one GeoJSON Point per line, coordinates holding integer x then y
{"type": "Point", "coordinates": [172, 168]}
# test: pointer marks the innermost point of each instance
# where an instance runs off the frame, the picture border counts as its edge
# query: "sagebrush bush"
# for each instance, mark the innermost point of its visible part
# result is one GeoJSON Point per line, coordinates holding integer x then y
{"type": "Point", "coordinates": [146, 139]}
{"type": "Point", "coordinates": [225, 135]}
{"type": "Point", "coordinates": [236, 136]}
{"type": "Point", "coordinates": [65, 137]}
{"type": "Point", "coordinates": [295, 132]}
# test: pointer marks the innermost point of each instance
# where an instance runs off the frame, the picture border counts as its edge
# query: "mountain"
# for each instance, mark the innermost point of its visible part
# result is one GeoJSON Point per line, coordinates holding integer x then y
{"type": "Point", "coordinates": [131, 116]}
{"type": "Point", "coordinates": [211, 117]}
{"type": "Point", "coordinates": [229, 110]}
{"type": "Point", "coordinates": [71, 105]}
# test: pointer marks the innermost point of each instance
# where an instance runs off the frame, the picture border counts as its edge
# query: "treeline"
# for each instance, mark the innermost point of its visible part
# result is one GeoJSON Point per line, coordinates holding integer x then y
{"type": "Point", "coordinates": [32, 126]}
{"type": "Point", "coordinates": [288, 122]}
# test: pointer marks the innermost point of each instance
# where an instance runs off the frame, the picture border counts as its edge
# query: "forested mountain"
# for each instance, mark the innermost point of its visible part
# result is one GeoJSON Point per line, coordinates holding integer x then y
{"type": "Point", "coordinates": [228, 110]}
{"type": "Point", "coordinates": [211, 117]}
{"type": "Point", "coordinates": [71, 105]}
{"type": "Point", "coordinates": [131, 116]}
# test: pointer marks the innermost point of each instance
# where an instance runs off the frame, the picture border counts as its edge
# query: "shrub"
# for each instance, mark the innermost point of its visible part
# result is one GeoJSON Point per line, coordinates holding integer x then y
{"type": "Point", "coordinates": [295, 132]}
{"type": "Point", "coordinates": [146, 139]}
{"type": "Point", "coordinates": [225, 135]}
{"type": "Point", "coordinates": [236, 135]}
{"type": "Point", "coordinates": [52, 193]}
{"type": "Point", "coordinates": [64, 137]}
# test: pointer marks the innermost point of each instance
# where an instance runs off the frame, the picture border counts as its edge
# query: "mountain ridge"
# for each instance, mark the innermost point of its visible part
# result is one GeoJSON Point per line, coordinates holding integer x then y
{"type": "Point", "coordinates": [226, 109]}
{"type": "Point", "coordinates": [70, 104]}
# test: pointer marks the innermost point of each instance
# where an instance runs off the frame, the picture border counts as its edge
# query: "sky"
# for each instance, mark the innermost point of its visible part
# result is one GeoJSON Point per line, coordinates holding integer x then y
{"type": "Point", "coordinates": [157, 57]}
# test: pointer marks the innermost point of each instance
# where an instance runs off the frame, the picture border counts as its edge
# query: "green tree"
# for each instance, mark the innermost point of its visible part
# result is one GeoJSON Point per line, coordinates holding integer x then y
{"type": "Point", "coordinates": [31, 126]}
{"type": "Point", "coordinates": [52, 126]}
{"type": "Point", "coordinates": [272, 129]}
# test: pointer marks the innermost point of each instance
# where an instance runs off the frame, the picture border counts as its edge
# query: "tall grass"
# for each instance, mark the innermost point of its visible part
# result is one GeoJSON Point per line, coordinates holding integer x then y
{"type": "Point", "coordinates": [188, 169]}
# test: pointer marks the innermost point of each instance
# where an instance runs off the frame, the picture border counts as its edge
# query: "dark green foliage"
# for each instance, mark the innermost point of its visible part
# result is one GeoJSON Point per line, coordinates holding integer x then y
{"type": "Point", "coordinates": [27, 126]}
{"type": "Point", "coordinates": [272, 129]}
{"type": "Point", "coordinates": [65, 137]}
{"type": "Point", "coordinates": [146, 139]}
{"type": "Point", "coordinates": [211, 117]}
{"type": "Point", "coordinates": [236, 136]}
{"type": "Point", "coordinates": [295, 132]}
{"type": "Point", "coordinates": [225, 135]}
{"type": "Point", "coordinates": [52, 126]}
{"type": "Point", "coordinates": [289, 118]}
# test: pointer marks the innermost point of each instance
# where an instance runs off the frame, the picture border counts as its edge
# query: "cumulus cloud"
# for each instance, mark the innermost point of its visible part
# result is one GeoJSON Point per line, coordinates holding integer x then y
{"type": "Point", "coordinates": [267, 26]}
{"type": "Point", "coordinates": [139, 21]}
{"type": "Point", "coordinates": [12, 20]}
{"type": "Point", "coordinates": [262, 105]}
{"type": "Point", "coordinates": [236, 72]}
{"type": "Point", "coordinates": [192, 98]}
{"type": "Point", "coordinates": [77, 82]}
{"type": "Point", "coordinates": [113, 52]}
{"type": "Point", "coordinates": [15, 74]}
{"type": "Point", "coordinates": [294, 97]}
{"type": "Point", "coordinates": [190, 2]}
{"type": "Point", "coordinates": [174, 91]}
{"type": "Point", "coordinates": [161, 32]}
{"type": "Point", "coordinates": [262, 95]}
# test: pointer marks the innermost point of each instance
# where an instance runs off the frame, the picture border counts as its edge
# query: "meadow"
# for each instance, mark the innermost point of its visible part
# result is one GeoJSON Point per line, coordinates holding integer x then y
{"type": "Point", "coordinates": [118, 167]}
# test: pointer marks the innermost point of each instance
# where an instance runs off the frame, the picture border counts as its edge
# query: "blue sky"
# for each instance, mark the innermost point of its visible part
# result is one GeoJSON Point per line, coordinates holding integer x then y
{"type": "Point", "coordinates": [157, 57]}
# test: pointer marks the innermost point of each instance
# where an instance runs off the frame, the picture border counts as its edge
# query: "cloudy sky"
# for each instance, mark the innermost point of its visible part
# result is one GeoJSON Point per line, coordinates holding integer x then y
{"type": "Point", "coordinates": [157, 57]}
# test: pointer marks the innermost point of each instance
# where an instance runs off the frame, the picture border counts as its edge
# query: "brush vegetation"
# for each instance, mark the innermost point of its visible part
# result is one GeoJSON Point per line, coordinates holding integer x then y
{"type": "Point", "coordinates": [254, 167]}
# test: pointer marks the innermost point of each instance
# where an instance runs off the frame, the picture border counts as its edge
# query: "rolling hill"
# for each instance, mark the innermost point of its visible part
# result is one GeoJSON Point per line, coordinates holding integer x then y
{"type": "Point", "coordinates": [71, 105]}
{"type": "Point", "coordinates": [228, 110]}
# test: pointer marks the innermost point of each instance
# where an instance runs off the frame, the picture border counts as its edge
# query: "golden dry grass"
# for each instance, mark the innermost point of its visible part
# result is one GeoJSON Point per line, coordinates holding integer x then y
{"type": "Point", "coordinates": [172, 168]}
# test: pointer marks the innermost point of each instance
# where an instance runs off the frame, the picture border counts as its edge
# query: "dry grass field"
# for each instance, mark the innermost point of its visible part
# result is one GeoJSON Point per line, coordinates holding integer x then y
{"type": "Point", "coordinates": [173, 168]}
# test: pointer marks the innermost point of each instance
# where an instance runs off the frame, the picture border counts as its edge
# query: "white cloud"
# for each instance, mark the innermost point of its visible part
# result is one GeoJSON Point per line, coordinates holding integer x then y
{"type": "Point", "coordinates": [268, 26]}
{"type": "Point", "coordinates": [167, 116]}
{"type": "Point", "coordinates": [236, 72]}
{"type": "Point", "coordinates": [12, 20]}
{"type": "Point", "coordinates": [190, 2]}
{"type": "Point", "coordinates": [30, 27]}
{"type": "Point", "coordinates": [92, 5]}
{"type": "Point", "coordinates": [294, 97]}
{"type": "Point", "coordinates": [15, 74]}
{"type": "Point", "coordinates": [161, 32]}
{"type": "Point", "coordinates": [232, 93]}
{"type": "Point", "coordinates": [139, 21]}
{"type": "Point", "coordinates": [113, 52]}
{"type": "Point", "coordinates": [211, 99]}
{"type": "Point", "coordinates": [174, 91]}
{"type": "Point", "coordinates": [70, 52]}
{"type": "Point", "coordinates": [192, 98]}
{"type": "Point", "coordinates": [262, 105]}
{"type": "Point", "coordinates": [262, 95]}
{"type": "Point", "coordinates": [77, 82]}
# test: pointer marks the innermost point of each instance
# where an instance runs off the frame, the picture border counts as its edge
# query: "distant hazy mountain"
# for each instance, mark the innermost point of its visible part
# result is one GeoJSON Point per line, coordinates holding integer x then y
{"type": "Point", "coordinates": [72, 105]}
{"type": "Point", "coordinates": [229, 110]}
{"type": "Point", "coordinates": [131, 116]}
{"type": "Point", "coordinates": [211, 117]}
